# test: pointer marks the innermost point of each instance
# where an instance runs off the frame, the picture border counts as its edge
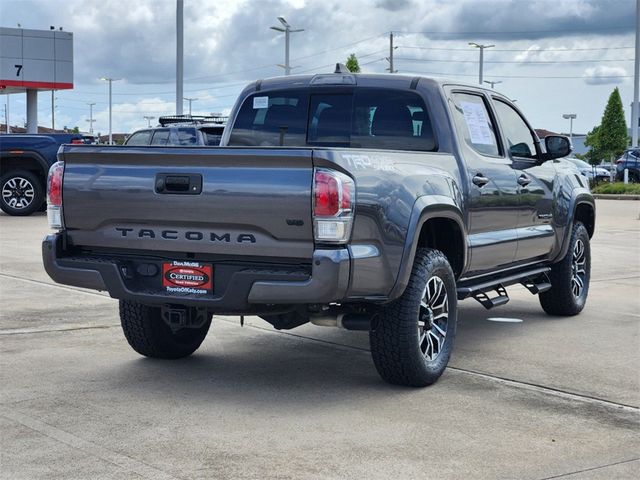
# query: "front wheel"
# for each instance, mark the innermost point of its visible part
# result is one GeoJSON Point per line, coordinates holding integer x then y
{"type": "Point", "coordinates": [149, 335]}
{"type": "Point", "coordinates": [22, 193]}
{"type": "Point", "coordinates": [570, 277]}
{"type": "Point", "coordinates": [412, 337]}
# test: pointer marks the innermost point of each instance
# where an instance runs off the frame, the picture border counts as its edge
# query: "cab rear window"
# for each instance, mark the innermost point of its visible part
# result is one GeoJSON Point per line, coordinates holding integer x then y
{"type": "Point", "coordinates": [364, 118]}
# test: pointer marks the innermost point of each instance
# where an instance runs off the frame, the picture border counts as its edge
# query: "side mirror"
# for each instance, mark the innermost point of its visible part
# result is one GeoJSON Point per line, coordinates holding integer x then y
{"type": "Point", "coordinates": [557, 146]}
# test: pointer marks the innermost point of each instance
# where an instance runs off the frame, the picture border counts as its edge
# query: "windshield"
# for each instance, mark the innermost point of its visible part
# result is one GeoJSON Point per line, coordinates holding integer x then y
{"type": "Point", "coordinates": [579, 163]}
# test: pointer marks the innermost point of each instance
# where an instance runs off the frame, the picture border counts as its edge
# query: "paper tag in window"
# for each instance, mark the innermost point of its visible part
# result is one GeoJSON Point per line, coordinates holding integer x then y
{"type": "Point", "coordinates": [477, 123]}
{"type": "Point", "coordinates": [260, 102]}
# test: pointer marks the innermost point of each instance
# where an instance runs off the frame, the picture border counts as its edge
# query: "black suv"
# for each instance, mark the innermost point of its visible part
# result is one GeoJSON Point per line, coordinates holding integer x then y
{"type": "Point", "coordinates": [181, 130]}
{"type": "Point", "coordinates": [630, 159]}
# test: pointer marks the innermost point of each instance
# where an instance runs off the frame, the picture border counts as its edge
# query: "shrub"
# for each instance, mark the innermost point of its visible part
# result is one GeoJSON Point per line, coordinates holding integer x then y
{"type": "Point", "coordinates": [618, 188]}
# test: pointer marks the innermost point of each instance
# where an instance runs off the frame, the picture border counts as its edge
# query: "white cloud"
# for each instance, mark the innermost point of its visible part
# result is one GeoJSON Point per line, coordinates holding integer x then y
{"type": "Point", "coordinates": [604, 75]}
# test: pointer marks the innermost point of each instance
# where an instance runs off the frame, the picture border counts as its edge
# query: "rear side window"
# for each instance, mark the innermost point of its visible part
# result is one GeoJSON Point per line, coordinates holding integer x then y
{"type": "Point", "coordinates": [140, 138]}
{"type": "Point", "coordinates": [474, 123]}
{"type": "Point", "coordinates": [271, 120]}
{"type": "Point", "coordinates": [160, 137]}
{"type": "Point", "coordinates": [368, 118]}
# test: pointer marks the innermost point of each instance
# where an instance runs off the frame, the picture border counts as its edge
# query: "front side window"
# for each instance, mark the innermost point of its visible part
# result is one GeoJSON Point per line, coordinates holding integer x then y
{"type": "Point", "coordinates": [517, 134]}
{"type": "Point", "coordinates": [474, 123]}
{"type": "Point", "coordinates": [140, 138]}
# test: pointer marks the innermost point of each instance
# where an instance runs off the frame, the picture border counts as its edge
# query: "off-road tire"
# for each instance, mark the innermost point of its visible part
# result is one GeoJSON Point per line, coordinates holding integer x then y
{"type": "Point", "coordinates": [560, 299]}
{"type": "Point", "coordinates": [394, 334]}
{"type": "Point", "coordinates": [150, 336]}
{"type": "Point", "coordinates": [38, 193]}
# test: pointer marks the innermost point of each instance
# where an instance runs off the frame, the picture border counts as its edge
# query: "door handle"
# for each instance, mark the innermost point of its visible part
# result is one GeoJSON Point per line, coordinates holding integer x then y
{"type": "Point", "coordinates": [480, 180]}
{"type": "Point", "coordinates": [176, 183]}
{"type": "Point", "coordinates": [524, 180]}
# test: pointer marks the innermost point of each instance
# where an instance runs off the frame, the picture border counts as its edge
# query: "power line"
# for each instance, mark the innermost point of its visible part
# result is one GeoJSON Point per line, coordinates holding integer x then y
{"type": "Point", "coordinates": [520, 32]}
{"type": "Point", "coordinates": [452, 74]}
{"type": "Point", "coordinates": [519, 49]}
{"type": "Point", "coordinates": [535, 62]}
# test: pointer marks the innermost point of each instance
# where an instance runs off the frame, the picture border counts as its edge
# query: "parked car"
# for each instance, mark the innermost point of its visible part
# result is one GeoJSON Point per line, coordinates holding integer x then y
{"type": "Point", "coordinates": [629, 160]}
{"type": "Point", "coordinates": [24, 163]}
{"type": "Point", "coordinates": [181, 130]}
{"type": "Point", "coordinates": [367, 202]}
{"type": "Point", "coordinates": [592, 172]}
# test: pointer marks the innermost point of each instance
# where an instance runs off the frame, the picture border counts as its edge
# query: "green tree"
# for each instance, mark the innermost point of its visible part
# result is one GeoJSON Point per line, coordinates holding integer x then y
{"type": "Point", "coordinates": [595, 154]}
{"type": "Point", "coordinates": [76, 129]}
{"type": "Point", "coordinates": [612, 137]}
{"type": "Point", "coordinates": [352, 64]}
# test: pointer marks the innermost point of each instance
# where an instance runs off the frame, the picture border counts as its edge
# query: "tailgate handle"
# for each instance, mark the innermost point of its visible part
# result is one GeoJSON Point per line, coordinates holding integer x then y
{"type": "Point", "coordinates": [185, 184]}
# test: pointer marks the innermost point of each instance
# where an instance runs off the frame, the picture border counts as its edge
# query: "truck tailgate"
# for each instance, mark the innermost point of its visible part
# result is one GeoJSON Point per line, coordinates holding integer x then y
{"type": "Point", "coordinates": [229, 201]}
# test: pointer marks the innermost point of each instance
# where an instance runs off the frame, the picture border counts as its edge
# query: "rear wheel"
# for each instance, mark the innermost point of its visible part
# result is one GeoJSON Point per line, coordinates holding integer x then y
{"type": "Point", "coordinates": [570, 277]}
{"type": "Point", "coordinates": [412, 337]}
{"type": "Point", "coordinates": [149, 335]}
{"type": "Point", "coordinates": [22, 193]}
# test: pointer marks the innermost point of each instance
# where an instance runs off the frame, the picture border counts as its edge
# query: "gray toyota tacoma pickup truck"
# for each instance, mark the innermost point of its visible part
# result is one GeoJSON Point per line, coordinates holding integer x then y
{"type": "Point", "coordinates": [367, 202]}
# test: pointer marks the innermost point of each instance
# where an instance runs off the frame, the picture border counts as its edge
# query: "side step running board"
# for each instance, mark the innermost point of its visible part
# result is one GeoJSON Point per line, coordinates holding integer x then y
{"type": "Point", "coordinates": [534, 280]}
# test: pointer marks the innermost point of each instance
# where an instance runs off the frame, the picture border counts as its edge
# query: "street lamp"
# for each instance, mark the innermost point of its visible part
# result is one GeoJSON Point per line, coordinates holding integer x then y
{"type": "Point", "coordinates": [91, 119]}
{"type": "Point", "coordinates": [481, 47]}
{"type": "Point", "coordinates": [570, 117]}
{"type": "Point", "coordinates": [148, 119]}
{"type": "Point", "coordinates": [493, 84]}
{"type": "Point", "coordinates": [190, 100]}
{"type": "Point", "coordinates": [287, 31]}
{"type": "Point", "coordinates": [110, 80]}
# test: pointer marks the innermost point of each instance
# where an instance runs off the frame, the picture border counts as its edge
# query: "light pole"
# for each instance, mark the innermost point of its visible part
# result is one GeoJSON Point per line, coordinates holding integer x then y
{"type": "Point", "coordinates": [148, 119]}
{"type": "Point", "coordinates": [635, 110]}
{"type": "Point", "coordinates": [91, 120]}
{"type": "Point", "coordinates": [53, 110]}
{"type": "Point", "coordinates": [190, 100]}
{"type": "Point", "coordinates": [481, 47]}
{"type": "Point", "coordinates": [287, 33]}
{"type": "Point", "coordinates": [570, 117]}
{"type": "Point", "coordinates": [110, 80]}
{"type": "Point", "coordinates": [179, 55]}
{"type": "Point", "coordinates": [493, 84]}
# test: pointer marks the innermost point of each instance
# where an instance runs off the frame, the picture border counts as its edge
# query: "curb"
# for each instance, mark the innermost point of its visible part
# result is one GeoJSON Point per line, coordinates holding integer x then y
{"type": "Point", "coordinates": [610, 196]}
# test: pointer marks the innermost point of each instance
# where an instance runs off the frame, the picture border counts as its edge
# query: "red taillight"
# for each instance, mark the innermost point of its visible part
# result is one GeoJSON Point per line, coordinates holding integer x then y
{"type": "Point", "coordinates": [333, 194]}
{"type": "Point", "coordinates": [54, 184]}
{"type": "Point", "coordinates": [77, 141]}
{"type": "Point", "coordinates": [327, 194]}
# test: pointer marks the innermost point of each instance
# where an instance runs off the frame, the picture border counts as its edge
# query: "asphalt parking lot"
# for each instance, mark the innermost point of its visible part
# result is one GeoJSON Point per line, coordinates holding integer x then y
{"type": "Point", "coordinates": [539, 398]}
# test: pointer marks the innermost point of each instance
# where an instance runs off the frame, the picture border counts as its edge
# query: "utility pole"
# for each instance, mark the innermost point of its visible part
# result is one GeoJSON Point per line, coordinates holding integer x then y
{"type": "Point", "coordinates": [110, 80]}
{"type": "Point", "coordinates": [53, 110]}
{"type": "Point", "coordinates": [287, 35]}
{"type": "Point", "coordinates": [635, 110]}
{"type": "Point", "coordinates": [91, 120]}
{"type": "Point", "coordinates": [148, 119]}
{"type": "Point", "coordinates": [179, 55]}
{"type": "Point", "coordinates": [6, 114]}
{"type": "Point", "coordinates": [570, 117]}
{"type": "Point", "coordinates": [390, 57]}
{"type": "Point", "coordinates": [493, 84]}
{"type": "Point", "coordinates": [481, 47]}
{"type": "Point", "coordinates": [190, 100]}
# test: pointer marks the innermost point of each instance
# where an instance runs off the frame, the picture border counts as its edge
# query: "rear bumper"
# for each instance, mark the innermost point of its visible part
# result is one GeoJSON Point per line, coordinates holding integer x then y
{"type": "Point", "coordinates": [241, 290]}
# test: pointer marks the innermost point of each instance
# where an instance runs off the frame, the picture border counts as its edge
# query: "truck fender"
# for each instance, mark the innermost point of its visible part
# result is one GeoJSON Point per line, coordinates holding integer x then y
{"type": "Point", "coordinates": [426, 208]}
{"type": "Point", "coordinates": [580, 198]}
{"type": "Point", "coordinates": [27, 154]}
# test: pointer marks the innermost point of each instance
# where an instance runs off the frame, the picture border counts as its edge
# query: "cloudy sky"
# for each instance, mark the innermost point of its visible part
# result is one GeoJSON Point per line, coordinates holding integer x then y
{"type": "Point", "coordinates": [552, 56]}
